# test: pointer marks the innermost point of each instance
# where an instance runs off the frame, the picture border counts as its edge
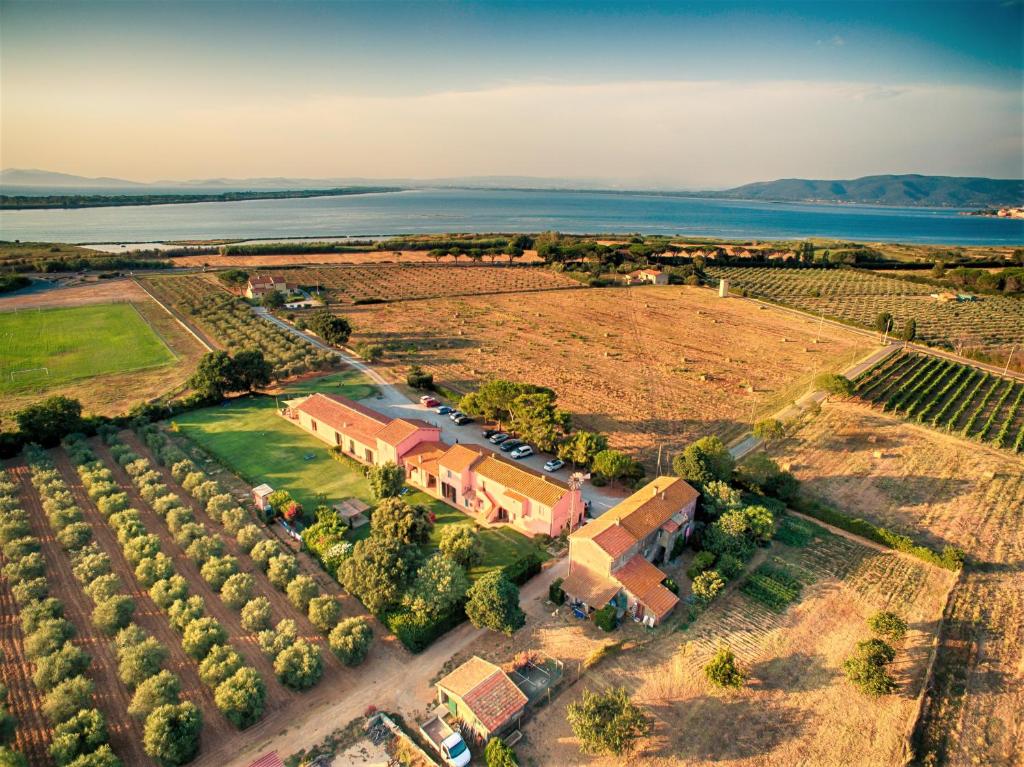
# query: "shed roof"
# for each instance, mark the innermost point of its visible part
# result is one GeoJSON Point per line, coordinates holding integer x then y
{"type": "Point", "coordinates": [459, 458]}
{"type": "Point", "coordinates": [486, 690]}
{"type": "Point", "coordinates": [594, 589]}
{"type": "Point", "coordinates": [402, 428]}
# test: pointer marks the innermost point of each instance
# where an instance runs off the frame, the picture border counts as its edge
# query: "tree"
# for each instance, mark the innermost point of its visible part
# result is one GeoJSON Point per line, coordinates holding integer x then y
{"type": "Point", "coordinates": [112, 615]}
{"type": "Point", "coordinates": [461, 544]}
{"type": "Point", "coordinates": [168, 591]}
{"type": "Point", "coordinates": [722, 670]}
{"type": "Point", "coordinates": [607, 722]}
{"type": "Point", "coordinates": [706, 460]}
{"type": "Point", "coordinates": [301, 590]}
{"type": "Point", "coordinates": [493, 399]}
{"type": "Point", "coordinates": [611, 464]}
{"type": "Point", "coordinates": [494, 604]}
{"type": "Point", "coordinates": [334, 330]}
{"type": "Point", "coordinates": [138, 662]}
{"type": "Point", "coordinates": [171, 734]}
{"type": "Point", "coordinates": [256, 614]}
{"type": "Point", "coordinates": [233, 277]}
{"type": "Point", "coordinates": [82, 733]}
{"type": "Point", "coordinates": [719, 497]}
{"type": "Point", "coordinates": [438, 587]}
{"type": "Point", "coordinates": [498, 754]}
{"type": "Point", "coordinates": [202, 634]}
{"type": "Point", "coordinates": [909, 332]}
{"type": "Point", "coordinates": [159, 690]}
{"type": "Point", "coordinates": [537, 420]}
{"type": "Point", "coordinates": [50, 670]}
{"type": "Point", "coordinates": [282, 569]}
{"type": "Point", "coordinates": [153, 569]}
{"type": "Point", "coordinates": [11, 758]}
{"type": "Point", "coordinates": [833, 383]}
{"type": "Point", "coordinates": [237, 590]}
{"type": "Point", "coordinates": [250, 370]}
{"type": "Point", "coordinates": [396, 520]}
{"type": "Point", "coordinates": [219, 664]}
{"type": "Point", "coordinates": [241, 697]}
{"type": "Point", "coordinates": [324, 612]}
{"type": "Point", "coordinates": [213, 375]}
{"type": "Point", "coordinates": [866, 669]}
{"type": "Point", "coordinates": [883, 322]}
{"type": "Point", "coordinates": [216, 571]}
{"type": "Point", "coordinates": [262, 551]}
{"type": "Point", "coordinates": [888, 625]}
{"type": "Point", "coordinates": [581, 447]}
{"type": "Point", "coordinates": [350, 640]}
{"type": "Point", "coordinates": [49, 421]}
{"type": "Point", "coordinates": [386, 480]}
{"type": "Point", "coordinates": [67, 698]}
{"type": "Point", "coordinates": [769, 429]}
{"type": "Point", "coordinates": [378, 571]}
{"type": "Point", "coordinates": [49, 635]}
{"type": "Point", "coordinates": [707, 585]}
{"type": "Point", "coordinates": [418, 379]}
{"type": "Point", "coordinates": [299, 665]}
{"type": "Point", "coordinates": [273, 300]}
{"type": "Point", "coordinates": [184, 611]}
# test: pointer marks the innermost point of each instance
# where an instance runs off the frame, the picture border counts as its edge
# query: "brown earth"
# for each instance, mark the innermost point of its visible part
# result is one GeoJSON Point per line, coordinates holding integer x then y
{"type": "Point", "coordinates": [940, 490]}
{"type": "Point", "coordinates": [75, 292]}
{"type": "Point", "coordinates": [651, 367]}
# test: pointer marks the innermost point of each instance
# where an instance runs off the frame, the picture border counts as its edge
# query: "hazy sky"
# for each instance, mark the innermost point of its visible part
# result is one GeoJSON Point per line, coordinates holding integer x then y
{"type": "Point", "coordinates": [685, 95]}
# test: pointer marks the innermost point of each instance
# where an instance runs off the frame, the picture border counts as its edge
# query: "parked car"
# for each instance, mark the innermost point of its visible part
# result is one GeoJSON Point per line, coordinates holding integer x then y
{"type": "Point", "coordinates": [488, 433]}
{"type": "Point", "coordinates": [444, 410]}
{"type": "Point", "coordinates": [455, 414]}
{"type": "Point", "coordinates": [425, 397]}
{"type": "Point", "coordinates": [463, 419]}
{"type": "Point", "coordinates": [497, 439]}
{"type": "Point", "coordinates": [446, 741]}
{"type": "Point", "coordinates": [510, 444]}
{"type": "Point", "coordinates": [554, 464]}
{"type": "Point", "coordinates": [431, 402]}
{"type": "Point", "coordinates": [523, 451]}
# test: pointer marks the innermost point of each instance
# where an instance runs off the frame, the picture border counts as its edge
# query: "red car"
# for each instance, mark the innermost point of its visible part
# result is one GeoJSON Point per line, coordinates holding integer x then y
{"type": "Point", "coordinates": [430, 402]}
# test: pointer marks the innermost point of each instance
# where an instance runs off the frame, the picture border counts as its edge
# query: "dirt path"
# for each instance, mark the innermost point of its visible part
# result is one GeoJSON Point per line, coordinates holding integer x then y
{"type": "Point", "coordinates": [151, 618]}
{"type": "Point", "coordinates": [32, 737]}
{"type": "Point", "coordinates": [111, 697]}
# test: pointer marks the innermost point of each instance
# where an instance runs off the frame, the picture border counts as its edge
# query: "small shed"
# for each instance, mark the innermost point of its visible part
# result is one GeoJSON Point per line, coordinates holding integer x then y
{"type": "Point", "coordinates": [353, 512]}
{"type": "Point", "coordinates": [483, 696]}
{"type": "Point", "coordinates": [261, 496]}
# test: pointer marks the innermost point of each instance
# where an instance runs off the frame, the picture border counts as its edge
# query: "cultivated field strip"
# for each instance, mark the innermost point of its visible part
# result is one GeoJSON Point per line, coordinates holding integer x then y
{"type": "Point", "coordinates": [111, 697]}
{"type": "Point", "coordinates": [947, 395]}
{"type": "Point", "coordinates": [990, 323]}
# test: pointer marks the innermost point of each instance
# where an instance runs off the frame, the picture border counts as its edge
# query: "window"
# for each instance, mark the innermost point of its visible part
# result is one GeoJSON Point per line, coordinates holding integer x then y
{"type": "Point", "coordinates": [313, 424]}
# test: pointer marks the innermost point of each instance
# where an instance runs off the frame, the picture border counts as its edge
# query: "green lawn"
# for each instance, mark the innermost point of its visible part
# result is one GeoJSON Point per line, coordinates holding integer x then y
{"type": "Point", "coordinates": [73, 343]}
{"type": "Point", "coordinates": [249, 438]}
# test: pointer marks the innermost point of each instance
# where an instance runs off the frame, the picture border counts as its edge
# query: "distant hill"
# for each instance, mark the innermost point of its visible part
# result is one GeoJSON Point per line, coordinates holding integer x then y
{"type": "Point", "coordinates": [933, 191]}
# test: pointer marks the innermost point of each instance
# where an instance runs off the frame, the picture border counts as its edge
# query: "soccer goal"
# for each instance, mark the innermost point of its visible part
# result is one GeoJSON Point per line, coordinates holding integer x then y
{"type": "Point", "coordinates": [29, 373]}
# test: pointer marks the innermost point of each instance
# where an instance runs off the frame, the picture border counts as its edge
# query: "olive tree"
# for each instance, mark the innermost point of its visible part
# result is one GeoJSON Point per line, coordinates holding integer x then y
{"type": "Point", "coordinates": [202, 634]}
{"type": "Point", "coordinates": [256, 614]}
{"type": "Point", "coordinates": [241, 697]}
{"type": "Point", "coordinates": [350, 640]}
{"type": "Point", "coordinates": [324, 612]}
{"type": "Point", "coordinates": [607, 722]}
{"type": "Point", "coordinates": [301, 590]}
{"type": "Point", "coordinates": [237, 590]}
{"type": "Point", "coordinates": [299, 665]}
{"type": "Point", "coordinates": [171, 733]}
{"type": "Point", "coordinates": [159, 690]}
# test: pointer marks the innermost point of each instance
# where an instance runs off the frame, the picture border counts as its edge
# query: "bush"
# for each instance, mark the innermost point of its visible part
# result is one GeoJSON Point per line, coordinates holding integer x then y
{"type": "Point", "coordinates": [138, 662]}
{"type": "Point", "coordinates": [217, 570]}
{"type": "Point", "coordinates": [247, 537]}
{"type": "Point", "coordinates": [241, 697]}
{"type": "Point", "coordinates": [66, 662]}
{"type": "Point", "coordinates": [722, 670]}
{"type": "Point", "coordinates": [237, 590]}
{"type": "Point", "coordinates": [523, 568]}
{"type": "Point", "coordinates": [888, 625]}
{"type": "Point", "coordinates": [555, 591]}
{"type": "Point", "coordinates": [702, 561]}
{"type": "Point", "coordinates": [607, 722]}
{"type": "Point", "coordinates": [256, 614]}
{"type": "Point", "coordinates": [350, 640]}
{"type": "Point", "coordinates": [418, 379]}
{"type": "Point", "coordinates": [498, 754]}
{"type": "Point", "coordinates": [299, 665]}
{"type": "Point", "coordinates": [461, 544]}
{"type": "Point", "coordinates": [707, 585]}
{"type": "Point", "coordinates": [324, 612]}
{"type": "Point", "coordinates": [606, 618]}
{"type": "Point", "coordinates": [301, 589]}
{"type": "Point", "coordinates": [159, 690]}
{"type": "Point", "coordinates": [866, 669]}
{"type": "Point", "coordinates": [729, 566]}
{"type": "Point", "coordinates": [113, 614]}
{"type": "Point", "coordinates": [219, 664]}
{"type": "Point", "coordinates": [67, 698]}
{"type": "Point", "coordinates": [417, 632]}
{"type": "Point", "coordinates": [171, 734]}
{"type": "Point", "coordinates": [200, 635]}
{"type": "Point", "coordinates": [263, 551]}
{"type": "Point", "coordinates": [81, 734]}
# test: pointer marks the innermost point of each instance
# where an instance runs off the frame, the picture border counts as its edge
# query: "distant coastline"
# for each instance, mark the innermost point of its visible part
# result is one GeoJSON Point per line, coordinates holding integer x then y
{"type": "Point", "coordinates": [73, 201]}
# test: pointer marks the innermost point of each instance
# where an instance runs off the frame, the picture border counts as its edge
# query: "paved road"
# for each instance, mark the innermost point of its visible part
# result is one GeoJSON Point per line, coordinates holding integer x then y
{"type": "Point", "coordinates": [391, 401]}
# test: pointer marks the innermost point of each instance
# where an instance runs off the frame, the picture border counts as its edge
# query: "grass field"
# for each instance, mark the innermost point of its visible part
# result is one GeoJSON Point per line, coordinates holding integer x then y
{"type": "Point", "coordinates": [248, 437]}
{"type": "Point", "coordinates": [74, 343]}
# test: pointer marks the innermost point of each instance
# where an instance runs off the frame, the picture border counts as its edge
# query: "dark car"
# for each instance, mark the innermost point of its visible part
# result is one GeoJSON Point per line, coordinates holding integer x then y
{"type": "Point", "coordinates": [488, 433]}
{"type": "Point", "coordinates": [510, 444]}
{"type": "Point", "coordinates": [497, 439]}
{"type": "Point", "coordinates": [463, 419]}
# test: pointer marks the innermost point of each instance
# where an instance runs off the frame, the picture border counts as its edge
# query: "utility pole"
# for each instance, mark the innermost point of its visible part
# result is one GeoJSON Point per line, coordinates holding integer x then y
{"type": "Point", "coordinates": [888, 327]}
{"type": "Point", "coordinates": [820, 326]}
{"type": "Point", "coordinates": [1007, 368]}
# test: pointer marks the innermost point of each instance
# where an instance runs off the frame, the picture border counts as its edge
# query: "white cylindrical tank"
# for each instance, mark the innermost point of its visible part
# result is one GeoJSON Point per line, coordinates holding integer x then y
{"type": "Point", "coordinates": [723, 288]}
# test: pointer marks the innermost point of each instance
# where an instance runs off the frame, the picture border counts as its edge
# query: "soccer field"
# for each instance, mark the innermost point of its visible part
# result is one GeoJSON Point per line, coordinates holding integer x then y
{"type": "Point", "coordinates": [41, 349]}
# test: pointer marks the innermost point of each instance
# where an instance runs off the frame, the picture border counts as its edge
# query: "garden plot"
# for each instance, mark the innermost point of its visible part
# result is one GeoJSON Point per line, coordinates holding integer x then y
{"type": "Point", "coordinates": [650, 367]}
{"type": "Point", "coordinates": [939, 491]}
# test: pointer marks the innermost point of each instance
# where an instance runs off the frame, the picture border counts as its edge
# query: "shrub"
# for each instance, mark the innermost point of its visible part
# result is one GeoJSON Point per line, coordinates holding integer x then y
{"type": "Point", "coordinates": [299, 666]}
{"type": "Point", "coordinates": [461, 544]}
{"type": "Point", "coordinates": [866, 669]}
{"type": "Point", "coordinates": [67, 698]}
{"type": "Point", "coordinates": [350, 640]}
{"type": "Point", "coordinates": [200, 635]}
{"type": "Point", "coordinates": [606, 618]}
{"type": "Point", "coordinates": [300, 589]}
{"type": "Point", "coordinates": [702, 561]}
{"type": "Point", "coordinates": [263, 551]}
{"type": "Point", "coordinates": [498, 754]}
{"type": "Point", "coordinates": [729, 566]}
{"type": "Point", "coordinates": [168, 591]}
{"type": "Point", "coordinates": [171, 734]}
{"type": "Point", "coordinates": [241, 697]}
{"type": "Point", "coordinates": [152, 569]}
{"type": "Point", "coordinates": [81, 734]}
{"type": "Point", "coordinates": [324, 612]}
{"type": "Point", "coordinates": [113, 614]}
{"type": "Point", "coordinates": [248, 536]}
{"type": "Point", "coordinates": [281, 570]}
{"type": "Point", "coordinates": [219, 664]}
{"type": "Point", "coordinates": [237, 590]}
{"type": "Point", "coordinates": [722, 670]}
{"type": "Point", "coordinates": [555, 591]}
{"type": "Point", "coordinates": [139, 662]}
{"type": "Point", "coordinates": [607, 722]}
{"type": "Point", "coordinates": [888, 625]}
{"type": "Point", "coordinates": [67, 661]}
{"type": "Point", "coordinates": [707, 585]}
{"type": "Point", "coordinates": [159, 690]}
{"type": "Point", "coordinates": [256, 614]}
{"type": "Point", "coordinates": [217, 570]}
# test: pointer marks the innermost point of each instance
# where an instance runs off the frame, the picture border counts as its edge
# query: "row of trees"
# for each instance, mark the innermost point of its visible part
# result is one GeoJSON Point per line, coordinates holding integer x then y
{"type": "Point", "coordinates": [80, 734]}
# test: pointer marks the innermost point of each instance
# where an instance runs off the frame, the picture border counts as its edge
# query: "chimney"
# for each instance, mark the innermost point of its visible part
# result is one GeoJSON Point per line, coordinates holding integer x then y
{"type": "Point", "coordinates": [663, 495]}
{"type": "Point", "coordinates": [618, 521]}
{"type": "Point", "coordinates": [654, 490]}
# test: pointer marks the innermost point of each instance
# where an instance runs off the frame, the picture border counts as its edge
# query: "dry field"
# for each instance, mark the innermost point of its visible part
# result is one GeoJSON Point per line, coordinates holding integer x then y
{"type": "Point", "coordinates": [797, 707]}
{"type": "Point", "coordinates": [115, 393]}
{"type": "Point", "coordinates": [940, 490]}
{"type": "Point", "coordinates": [648, 366]}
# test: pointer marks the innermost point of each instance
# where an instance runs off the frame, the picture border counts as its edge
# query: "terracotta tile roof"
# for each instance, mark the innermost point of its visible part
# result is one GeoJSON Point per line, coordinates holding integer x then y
{"type": "Point", "coordinates": [590, 587]}
{"type": "Point", "coordinates": [459, 458]}
{"type": "Point", "coordinates": [344, 415]}
{"type": "Point", "coordinates": [643, 580]}
{"type": "Point", "coordinates": [615, 540]}
{"type": "Point", "coordinates": [535, 486]}
{"type": "Point", "coordinates": [268, 760]}
{"type": "Point", "coordinates": [671, 526]}
{"type": "Point", "coordinates": [487, 691]}
{"type": "Point", "coordinates": [425, 456]}
{"type": "Point", "coordinates": [660, 601]}
{"type": "Point", "coordinates": [400, 429]}
{"type": "Point", "coordinates": [645, 510]}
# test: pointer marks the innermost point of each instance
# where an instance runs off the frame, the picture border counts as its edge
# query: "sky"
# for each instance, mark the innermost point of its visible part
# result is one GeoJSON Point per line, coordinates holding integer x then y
{"type": "Point", "coordinates": [638, 94]}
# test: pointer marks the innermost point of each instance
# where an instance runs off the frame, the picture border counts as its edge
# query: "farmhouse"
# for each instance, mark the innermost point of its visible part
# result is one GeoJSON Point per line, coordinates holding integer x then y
{"type": "Point", "coordinates": [611, 559]}
{"type": "Point", "coordinates": [475, 480]}
{"type": "Point", "coordinates": [647, 276]}
{"type": "Point", "coordinates": [260, 285]}
{"type": "Point", "coordinates": [483, 696]}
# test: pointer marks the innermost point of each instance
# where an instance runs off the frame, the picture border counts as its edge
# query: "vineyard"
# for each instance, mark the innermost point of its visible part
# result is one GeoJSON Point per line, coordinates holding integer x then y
{"type": "Point", "coordinates": [958, 398]}
{"type": "Point", "coordinates": [230, 323]}
{"type": "Point", "coordinates": [363, 284]}
{"type": "Point", "coordinates": [991, 324]}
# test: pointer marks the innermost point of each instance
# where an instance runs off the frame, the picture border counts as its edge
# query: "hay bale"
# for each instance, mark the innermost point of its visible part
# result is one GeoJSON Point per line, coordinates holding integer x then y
{"type": "Point", "coordinates": [876, 453]}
